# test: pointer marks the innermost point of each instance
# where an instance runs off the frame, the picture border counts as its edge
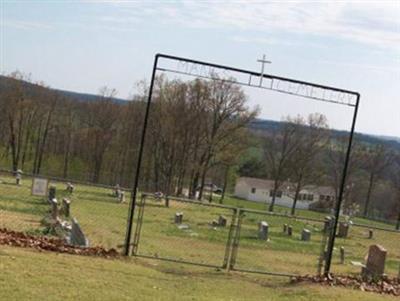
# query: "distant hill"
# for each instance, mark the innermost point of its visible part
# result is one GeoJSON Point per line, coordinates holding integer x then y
{"type": "Point", "coordinates": [7, 82]}
{"type": "Point", "coordinates": [394, 142]}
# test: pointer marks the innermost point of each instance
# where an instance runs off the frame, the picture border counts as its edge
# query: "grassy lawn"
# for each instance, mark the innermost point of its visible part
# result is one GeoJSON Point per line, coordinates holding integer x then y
{"type": "Point", "coordinates": [30, 275]}
{"type": "Point", "coordinates": [103, 220]}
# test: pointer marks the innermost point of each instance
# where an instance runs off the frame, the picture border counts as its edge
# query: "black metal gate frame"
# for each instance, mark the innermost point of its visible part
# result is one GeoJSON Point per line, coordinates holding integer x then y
{"type": "Point", "coordinates": [139, 223]}
{"type": "Point", "coordinates": [132, 204]}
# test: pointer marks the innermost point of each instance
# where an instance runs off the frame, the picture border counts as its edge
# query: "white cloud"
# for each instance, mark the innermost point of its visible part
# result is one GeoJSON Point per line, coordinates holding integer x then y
{"type": "Point", "coordinates": [370, 22]}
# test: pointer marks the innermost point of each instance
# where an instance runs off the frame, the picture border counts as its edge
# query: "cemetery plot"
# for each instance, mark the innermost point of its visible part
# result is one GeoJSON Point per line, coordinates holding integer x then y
{"type": "Point", "coordinates": [356, 245]}
{"type": "Point", "coordinates": [185, 231]}
{"type": "Point", "coordinates": [277, 244]}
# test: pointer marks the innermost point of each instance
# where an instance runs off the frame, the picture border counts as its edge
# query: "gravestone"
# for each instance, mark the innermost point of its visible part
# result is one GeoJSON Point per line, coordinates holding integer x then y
{"type": "Point", "coordinates": [178, 218]}
{"type": "Point", "coordinates": [66, 203]}
{"type": "Point", "coordinates": [70, 188]}
{"type": "Point", "coordinates": [122, 197]}
{"type": "Point", "coordinates": [54, 209]}
{"type": "Point", "coordinates": [77, 238]}
{"type": "Point", "coordinates": [342, 255]}
{"type": "Point", "coordinates": [52, 192]}
{"type": "Point", "coordinates": [343, 230]}
{"type": "Point", "coordinates": [306, 235]}
{"type": "Point", "coordinates": [370, 233]}
{"type": "Point", "coordinates": [222, 221]}
{"type": "Point", "coordinates": [116, 191]}
{"type": "Point", "coordinates": [18, 177]}
{"type": "Point", "coordinates": [263, 230]}
{"type": "Point", "coordinates": [327, 224]}
{"type": "Point", "coordinates": [375, 266]}
{"type": "Point", "coordinates": [289, 230]}
{"type": "Point", "coordinates": [284, 228]}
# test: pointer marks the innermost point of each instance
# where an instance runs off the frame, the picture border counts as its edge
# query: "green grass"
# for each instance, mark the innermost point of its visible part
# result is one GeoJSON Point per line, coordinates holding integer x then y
{"type": "Point", "coordinates": [30, 275]}
{"type": "Point", "coordinates": [103, 220]}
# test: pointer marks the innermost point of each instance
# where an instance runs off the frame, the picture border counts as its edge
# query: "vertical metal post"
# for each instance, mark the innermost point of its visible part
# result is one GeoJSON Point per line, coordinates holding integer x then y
{"type": "Point", "coordinates": [132, 204]}
{"type": "Point", "coordinates": [332, 236]}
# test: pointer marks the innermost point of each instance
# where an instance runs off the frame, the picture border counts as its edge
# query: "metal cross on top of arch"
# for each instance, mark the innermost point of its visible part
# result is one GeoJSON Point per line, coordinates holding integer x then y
{"type": "Point", "coordinates": [199, 69]}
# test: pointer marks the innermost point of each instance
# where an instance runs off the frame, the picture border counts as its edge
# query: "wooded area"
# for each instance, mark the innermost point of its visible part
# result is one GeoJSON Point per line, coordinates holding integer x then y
{"type": "Point", "coordinates": [199, 133]}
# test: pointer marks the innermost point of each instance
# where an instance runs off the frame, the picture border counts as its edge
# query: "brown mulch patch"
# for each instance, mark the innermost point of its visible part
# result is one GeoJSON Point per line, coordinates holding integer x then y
{"type": "Point", "coordinates": [386, 285]}
{"type": "Point", "coordinates": [43, 243]}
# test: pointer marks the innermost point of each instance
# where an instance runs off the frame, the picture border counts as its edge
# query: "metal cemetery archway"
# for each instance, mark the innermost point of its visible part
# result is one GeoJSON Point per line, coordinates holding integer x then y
{"type": "Point", "coordinates": [205, 70]}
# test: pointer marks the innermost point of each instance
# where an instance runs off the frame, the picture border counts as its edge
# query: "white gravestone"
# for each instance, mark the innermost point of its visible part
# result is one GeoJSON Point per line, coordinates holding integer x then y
{"type": "Point", "coordinates": [39, 186]}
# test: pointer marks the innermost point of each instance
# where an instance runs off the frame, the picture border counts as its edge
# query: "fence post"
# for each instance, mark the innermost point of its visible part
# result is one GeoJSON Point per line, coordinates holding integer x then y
{"type": "Point", "coordinates": [236, 240]}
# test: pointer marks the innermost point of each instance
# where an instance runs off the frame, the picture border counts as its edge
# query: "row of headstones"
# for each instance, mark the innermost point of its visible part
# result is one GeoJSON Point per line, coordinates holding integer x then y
{"type": "Point", "coordinates": [262, 227]}
{"type": "Point", "coordinates": [221, 222]}
{"type": "Point", "coordinates": [343, 229]}
{"type": "Point", "coordinates": [287, 229]}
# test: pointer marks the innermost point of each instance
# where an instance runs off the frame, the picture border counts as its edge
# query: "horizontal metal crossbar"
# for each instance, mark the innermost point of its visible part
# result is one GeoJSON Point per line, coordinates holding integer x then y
{"type": "Point", "coordinates": [275, 83]}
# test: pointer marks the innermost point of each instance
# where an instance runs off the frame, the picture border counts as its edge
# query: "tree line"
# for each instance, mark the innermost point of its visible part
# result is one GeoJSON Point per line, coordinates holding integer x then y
{"type": "Point", "coordinates": [198, 134]}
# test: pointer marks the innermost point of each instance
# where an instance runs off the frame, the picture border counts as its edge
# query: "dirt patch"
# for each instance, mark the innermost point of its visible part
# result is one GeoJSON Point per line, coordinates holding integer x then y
{"type": "Point", "coordinates": [389, 286]}
{"type": "Point", "coordinates": [43, 243]}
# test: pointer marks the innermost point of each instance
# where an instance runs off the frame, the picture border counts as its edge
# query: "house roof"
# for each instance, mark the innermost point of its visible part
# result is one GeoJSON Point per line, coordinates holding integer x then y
{"type": "Point", "coordinates": [269, 184]}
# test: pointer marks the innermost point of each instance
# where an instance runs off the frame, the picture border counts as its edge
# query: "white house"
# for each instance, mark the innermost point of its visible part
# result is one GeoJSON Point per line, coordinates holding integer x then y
{"type": "Point", "coordinates": [260, 190]}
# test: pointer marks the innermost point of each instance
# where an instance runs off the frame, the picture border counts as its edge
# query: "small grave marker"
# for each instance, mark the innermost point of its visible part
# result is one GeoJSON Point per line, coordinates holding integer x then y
{"type": "Point", "coordinates": [178, 218]}
{"type": "Point", "coordinates": [18, 177]}
{"type": "Point", "coordinates": [70, 188]}
{"type": "Point", "coordinates": [306, 235]}
{"type": "Point", "coordinates": [370, 234]}
{"type": "Point", "coordinates": [289, 230]}
{"type": "Point", "coordinates": [222, 221]}
{"type": "Point", "coordinates": [284, 228]}
{"type": "Point", "coordinates": [263, 230]}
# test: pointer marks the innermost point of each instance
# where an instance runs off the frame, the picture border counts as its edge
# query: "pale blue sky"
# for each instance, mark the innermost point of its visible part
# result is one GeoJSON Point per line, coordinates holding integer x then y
{"type": "Point", "coordinates": [83, 45]}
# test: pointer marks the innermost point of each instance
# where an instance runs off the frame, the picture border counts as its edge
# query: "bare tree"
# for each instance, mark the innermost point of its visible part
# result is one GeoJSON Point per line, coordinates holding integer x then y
{"type": "Point", "coordinates": [313, 138]}
{"type": "Point", "coordinates": [279, 149]}
{"type": "Point", "coordinates": [378, 158]}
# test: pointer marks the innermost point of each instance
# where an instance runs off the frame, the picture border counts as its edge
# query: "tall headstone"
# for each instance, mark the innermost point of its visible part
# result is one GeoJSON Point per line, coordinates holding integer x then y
{"type": "Point", "coordinates": [52, 192]}
{"type": "Point", "coordinates": [375, 266]}
{"type": "Point", "coordinates": [327, 224]}
{"type": "Point", "coordinates": [306, 235]}
{"type": "Point", "coordinates": [54, 209]}
{"type": "Point", "coordinates": [284, 228]}
{"type": "Point", "coordinates": [343, 230]}
{"type": "Point", "coordinates": [263, 230]}
{"type": "Point", "coordinates": [342, 255]}
{"type": "Point", "coordinates": [117, 191]}
{"type": "Point", "coordinates": [66, 203]}
{"type": "Point", "coordinates": [370, 233]}
{"type": "Point", "coordinates": [178, 218]}
{"type": "Point", "coordinates": [122, 197]}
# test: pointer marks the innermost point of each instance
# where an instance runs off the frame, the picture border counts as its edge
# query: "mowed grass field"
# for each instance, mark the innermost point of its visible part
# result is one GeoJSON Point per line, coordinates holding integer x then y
{"type": "Point", "coordinates": [48, 276]}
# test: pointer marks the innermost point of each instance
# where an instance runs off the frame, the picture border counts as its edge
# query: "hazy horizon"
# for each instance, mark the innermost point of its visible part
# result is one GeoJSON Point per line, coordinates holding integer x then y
{"type": "Point", "coordinates": [80, 46]}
